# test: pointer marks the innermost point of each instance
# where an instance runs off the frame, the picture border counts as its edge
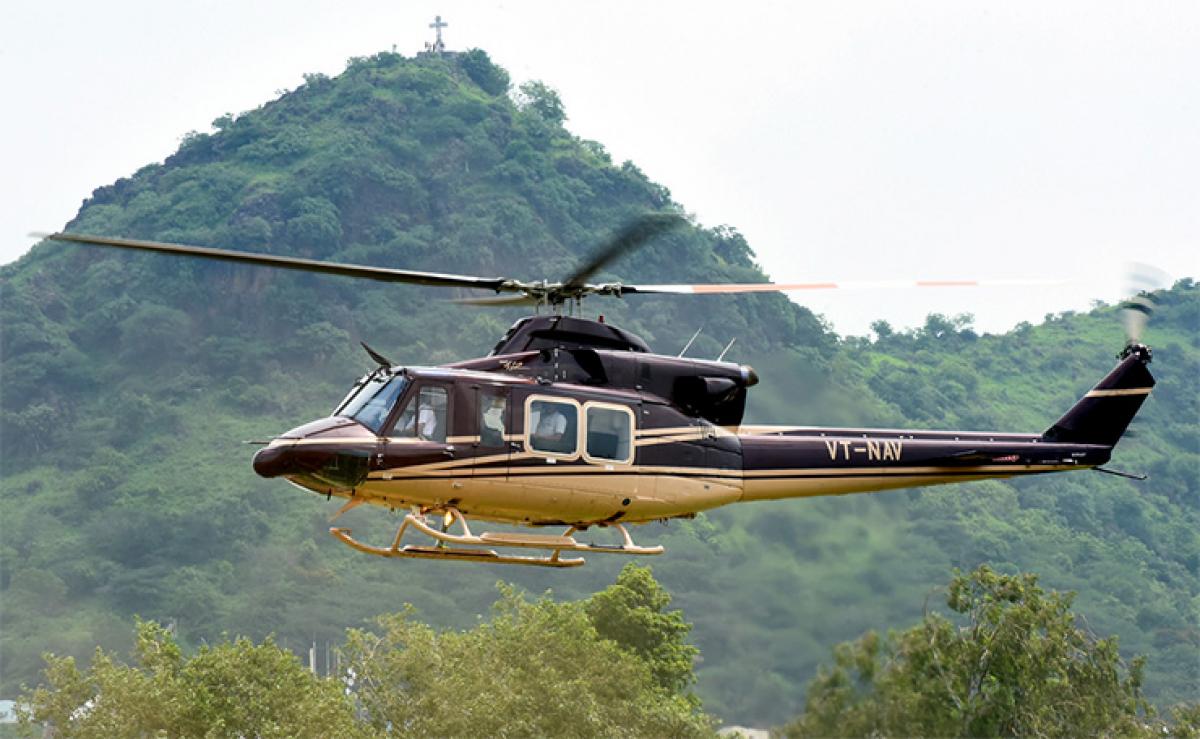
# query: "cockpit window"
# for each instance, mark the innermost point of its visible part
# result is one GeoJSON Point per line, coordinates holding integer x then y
{"type": "Point", "coordinates": [425, 415]}
{"type": "Point", "coordinates": [371, 405]}
{"type": "Point", "coordinates": [374, 380]}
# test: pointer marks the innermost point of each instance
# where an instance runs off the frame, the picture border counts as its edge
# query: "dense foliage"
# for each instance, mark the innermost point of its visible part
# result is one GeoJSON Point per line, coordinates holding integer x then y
{"type": "Point", "coordinates": [129, 382]}
{"type": "Point", "coordinates": [536, 668]}
{"type": "Point", "coordinates": [1017, 663]}
{"type": "Point", "coordinates": [632, 613]}
{"type": "Point", "coordinates": [1014, 661]}
{"type": "Point", "coordinates": [232, 689]}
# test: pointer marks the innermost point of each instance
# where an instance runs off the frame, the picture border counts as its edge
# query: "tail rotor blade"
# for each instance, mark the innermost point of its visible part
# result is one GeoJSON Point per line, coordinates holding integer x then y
{"type": "Point", "coordinates": [1140, 280]}
{"type": "Point", "coordinates": [1135, 314]}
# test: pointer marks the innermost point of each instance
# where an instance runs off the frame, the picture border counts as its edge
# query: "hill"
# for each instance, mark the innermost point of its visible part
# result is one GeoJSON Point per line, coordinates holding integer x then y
{"type": "Point", "coordinates": [129, 381]}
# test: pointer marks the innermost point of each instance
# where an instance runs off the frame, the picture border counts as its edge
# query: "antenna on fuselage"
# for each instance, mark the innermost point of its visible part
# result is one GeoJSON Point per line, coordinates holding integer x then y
{"type": "Point", "coordinates": [726, 349]}
{"type": "Point", "coordinates": [688, 345]}
{"type": "Point", "coordinates": [381, 360]}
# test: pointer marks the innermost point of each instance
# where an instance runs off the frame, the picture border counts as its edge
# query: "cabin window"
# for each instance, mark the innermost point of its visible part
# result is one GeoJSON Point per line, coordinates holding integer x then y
{"type": "Point", "coordinates": [425, 415]}
{"type": "Point", "coordinates": [553, 426]}
{"type": "Point", "coordinates": [492, 408]}
{"type": "Point", "coordinates": [609, 433]}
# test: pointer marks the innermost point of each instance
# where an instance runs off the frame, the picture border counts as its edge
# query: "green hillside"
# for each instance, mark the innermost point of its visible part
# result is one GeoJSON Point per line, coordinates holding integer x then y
{"type": "Point", "coordinates": [130, 381]}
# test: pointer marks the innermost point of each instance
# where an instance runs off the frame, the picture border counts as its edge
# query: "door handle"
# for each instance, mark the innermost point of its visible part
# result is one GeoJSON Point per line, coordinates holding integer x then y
{"type": "Point", "coordinates": [448, 451]}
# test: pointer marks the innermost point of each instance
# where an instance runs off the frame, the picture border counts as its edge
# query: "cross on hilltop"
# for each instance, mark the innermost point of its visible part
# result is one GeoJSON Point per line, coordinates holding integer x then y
{"type": "Point", "coordinates": [437, 46]}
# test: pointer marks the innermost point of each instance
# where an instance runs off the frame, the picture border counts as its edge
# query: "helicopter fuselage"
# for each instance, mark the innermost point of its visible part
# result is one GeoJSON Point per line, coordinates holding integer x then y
{"type": "Point", "coordinates": [504, 447]}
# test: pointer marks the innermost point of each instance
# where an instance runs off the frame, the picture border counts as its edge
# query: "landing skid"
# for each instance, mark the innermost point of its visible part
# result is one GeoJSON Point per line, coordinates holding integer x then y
{"type": "Point", "coordinates": [461, 546]}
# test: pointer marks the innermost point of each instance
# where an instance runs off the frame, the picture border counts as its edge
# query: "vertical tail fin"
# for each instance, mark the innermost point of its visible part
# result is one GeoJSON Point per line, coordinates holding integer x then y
{"type": "Point", "coordinates": [1102, 415]}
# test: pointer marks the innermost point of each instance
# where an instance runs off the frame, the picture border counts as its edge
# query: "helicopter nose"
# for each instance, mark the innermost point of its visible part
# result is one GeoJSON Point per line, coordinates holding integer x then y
{"type": "Point", "coordinates": [334, 451]}
{"type": "Point", "coordinates": [276, 460]}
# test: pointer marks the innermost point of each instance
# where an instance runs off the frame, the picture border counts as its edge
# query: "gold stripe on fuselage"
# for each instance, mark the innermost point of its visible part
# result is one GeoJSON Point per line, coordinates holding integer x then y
{"type": "Point", "coordinates": [829, 432]}
{"type": "Point", "coordinates": [667, 431]}
{"type": "Point", "coordinates": [765, 430]}
{"type": "Point", "coordinates": [1119, 392]}
{"type": "Point", "coordinates": [454, 465]}
{"type": "Point", "coordinates": [476, 465]}
{"type": "Point", "coordinates": [668, 440]}
{"type": "Point", "coordinates": [362, 440]}
{"type": "Point", "coordinates": [704, 429]}
{"type": "Point", "coordinates": [913, 470]}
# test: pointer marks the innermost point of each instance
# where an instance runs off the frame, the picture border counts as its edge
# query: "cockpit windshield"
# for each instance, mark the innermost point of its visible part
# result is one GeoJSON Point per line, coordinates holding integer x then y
{"type": "Point", "coordinates": [374, 400]}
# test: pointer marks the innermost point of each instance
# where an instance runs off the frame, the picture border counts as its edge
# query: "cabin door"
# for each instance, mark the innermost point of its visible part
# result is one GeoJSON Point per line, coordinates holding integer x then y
{"type": "Point", "coordinates": [493, 445]}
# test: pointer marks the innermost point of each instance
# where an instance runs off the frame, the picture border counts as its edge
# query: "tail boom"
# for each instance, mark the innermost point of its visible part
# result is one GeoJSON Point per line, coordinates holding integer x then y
{"type": "Point", "coordinates": [799, 462]}
{"type": "Point", "coordinates": [807, 463]}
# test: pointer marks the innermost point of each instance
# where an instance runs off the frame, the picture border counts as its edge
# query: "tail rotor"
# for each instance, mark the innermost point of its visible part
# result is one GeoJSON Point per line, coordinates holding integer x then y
{"type": "Point", "coordinates": [1141, 280]}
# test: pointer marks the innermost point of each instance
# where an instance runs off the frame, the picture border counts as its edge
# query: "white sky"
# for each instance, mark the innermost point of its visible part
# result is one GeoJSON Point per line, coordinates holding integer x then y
{"type": "Point", "coordinates": [846, 140]}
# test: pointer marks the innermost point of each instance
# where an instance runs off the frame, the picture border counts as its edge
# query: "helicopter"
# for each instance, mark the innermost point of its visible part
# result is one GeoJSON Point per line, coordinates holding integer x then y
{"type": "Point", "coordinates": [575, 423]}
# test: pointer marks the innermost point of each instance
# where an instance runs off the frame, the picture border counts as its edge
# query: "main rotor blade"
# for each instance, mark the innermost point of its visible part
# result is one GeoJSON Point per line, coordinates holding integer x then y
{"type": "Point", "coordinates": [763, 287]}
{"type": "Point", "coordinates": [502, 301]}
{"type": "Point", "coordinates": [631, 237]}
{"type": "Point", "coordinates": [381, 274]}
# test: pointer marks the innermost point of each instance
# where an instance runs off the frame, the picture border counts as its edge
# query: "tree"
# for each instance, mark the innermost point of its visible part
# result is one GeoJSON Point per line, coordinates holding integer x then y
{"type": "Point", "coordinates": [232, 689]}
{"type": "Point", "coordinates": [543, 100]}
{"type": "Point", "coordinates": [483, 72]}
{"type": "Point", "coordinates": [882, 329]}
{"type": "Point", "coordinates": [1016, 663]}
{"type": "Point", "coordinates": [536, 669]}
{"type": "Point", "coordinates": [632, 612]}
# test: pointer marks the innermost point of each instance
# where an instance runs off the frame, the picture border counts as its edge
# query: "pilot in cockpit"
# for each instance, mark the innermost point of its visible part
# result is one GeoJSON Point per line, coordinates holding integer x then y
{"type": "Point", "coordinates": [428, 420]}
